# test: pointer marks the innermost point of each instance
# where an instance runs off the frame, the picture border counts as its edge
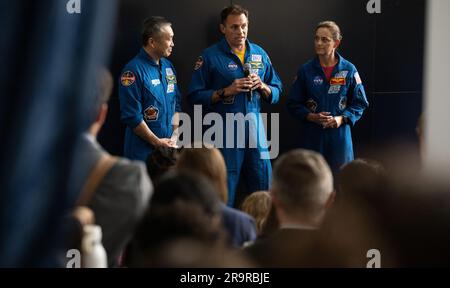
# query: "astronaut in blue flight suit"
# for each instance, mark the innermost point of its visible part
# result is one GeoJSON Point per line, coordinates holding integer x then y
{"type": "Point", "coordinates": [148, 93]}
{"type": "Point", "coordinates": [219, 84]}
{"type": "Point", "coordinates": [328, 97]}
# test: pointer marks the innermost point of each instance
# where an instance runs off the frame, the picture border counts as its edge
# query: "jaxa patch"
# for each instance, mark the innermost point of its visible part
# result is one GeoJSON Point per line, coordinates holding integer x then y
{"type": "Point", "coordinates": [198, 63]}
{"type": "Point", "coordinates": [357, 78]}
{"type": "Point", "coordinates": [127, 78]}
{"type": "Point", "coordinates": [337, 81]}
{"type": "Point", "coordinates": [232, 66]}
{"type": "Point", "coordinates": [318, 80]}
{"type": "Point", "coordinates": [311, 105]}
{"type": "Point", "coordinates": [256, 58]}
{"type": "Point", "coordinates": [334, 89]}
{"type": "Point", "coordinates": [151, 113]}
{"type": "Point", "coordinates": [343, 103]}
{"type": "Point", "coordinates": [171, 79]}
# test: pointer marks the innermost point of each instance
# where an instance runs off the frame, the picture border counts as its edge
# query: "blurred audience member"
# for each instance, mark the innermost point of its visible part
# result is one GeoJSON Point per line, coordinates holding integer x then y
{"type": "Point", "coordinates": [302, 191]}
{"type": "Point", "coordinates": [361, 178]}
{"type": "Point", "coordinates": [161, 160]}
{"type": "Point", "coordinates": [258, 205]}
{"type": "Point", "coordinates": [209, 162]}
{"type": "Point", "coordinates": [184, 206]}
{"type": "Point", "coordinates": [116, 189]}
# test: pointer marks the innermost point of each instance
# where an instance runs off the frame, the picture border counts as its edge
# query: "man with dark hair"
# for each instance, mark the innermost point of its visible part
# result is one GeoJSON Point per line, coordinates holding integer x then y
{"type": "Point", "coordinates": [233, 77]}
{"type": "Point", "coordinates": [148, 93]}
{"type": "Point", "coordinates": [116, 189]}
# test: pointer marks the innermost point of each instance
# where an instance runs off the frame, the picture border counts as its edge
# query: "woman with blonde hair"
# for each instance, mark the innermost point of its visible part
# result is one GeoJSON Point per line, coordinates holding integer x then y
{"type": "Point", "coordinates": [258, 205]}
{"type": "Point", "coordinates": [328, 98]}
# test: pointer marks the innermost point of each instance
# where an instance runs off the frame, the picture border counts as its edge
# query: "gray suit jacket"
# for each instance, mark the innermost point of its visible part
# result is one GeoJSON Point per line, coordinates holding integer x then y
{"type": "Point", "coordinates": [119, 200]}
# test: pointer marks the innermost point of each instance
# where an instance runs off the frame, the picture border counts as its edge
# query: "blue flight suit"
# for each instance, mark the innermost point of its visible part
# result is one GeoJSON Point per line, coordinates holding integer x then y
{"type": "Point", "coordinates": [149, 92]}
{"type": "Point", "coordinates": [217, 68]}
{"type": "Point", "coordinates": [343, 95]}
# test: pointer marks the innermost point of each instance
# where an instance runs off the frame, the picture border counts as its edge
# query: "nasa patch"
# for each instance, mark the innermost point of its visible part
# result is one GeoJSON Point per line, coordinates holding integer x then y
{"type": "Point", "coordinates": [318, 81]}
{"type": "Point", "coordinates": [232, 66]}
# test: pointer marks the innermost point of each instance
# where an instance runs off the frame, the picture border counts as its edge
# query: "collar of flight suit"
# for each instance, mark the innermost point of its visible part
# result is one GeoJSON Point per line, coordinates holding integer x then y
{"type": "Point", "coordinates": [338, 65]}
{"type": "Point", "coordinates": [227, 49]}
{"type": "Point", "coordinates": [144, 55]}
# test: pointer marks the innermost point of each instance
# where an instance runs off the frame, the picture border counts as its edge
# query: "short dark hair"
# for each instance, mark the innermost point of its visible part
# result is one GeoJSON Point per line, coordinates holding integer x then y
{"type": "Point", "coordinates": [100, 90]}
{"type": "Point", "coordinates": [189, 187]}
{"type": "Point", "coordinates": [361, 178]}
{"type": "Point", "coordinates": [161, 160]}
{"type": "Point", "coordinates": [152, 27]}
{"type": "Point", "coordinates": [232, 10]}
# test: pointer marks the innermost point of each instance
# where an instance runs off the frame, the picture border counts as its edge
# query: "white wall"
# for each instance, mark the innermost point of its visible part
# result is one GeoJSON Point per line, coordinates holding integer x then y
{"type": "Point", "coordinates": [437, 88]}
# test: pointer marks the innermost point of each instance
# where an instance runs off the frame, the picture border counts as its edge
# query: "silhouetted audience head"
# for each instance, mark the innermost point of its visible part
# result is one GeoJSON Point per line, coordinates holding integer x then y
{"type": "Point", "coordinates": [302, 187]}
{"type": "Point", "coordinates": [210, 163]}
{"type": "Point", "coordinates": [405, 218]}
{"type": "Point", "coordinates": [258, 205]}
{"type": "Point", "coordinates": [361, 178]}
{"type": "Point", "coordinates": [160, 161]}
{"type": "Point", "coordinates": [102, 90]}
{"type": "Point", "coordinates": [345, 240]}
{"type": "Point", "coordinates": [239, 226]}
{"type": "Point", "coordinates": [184, 205]}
